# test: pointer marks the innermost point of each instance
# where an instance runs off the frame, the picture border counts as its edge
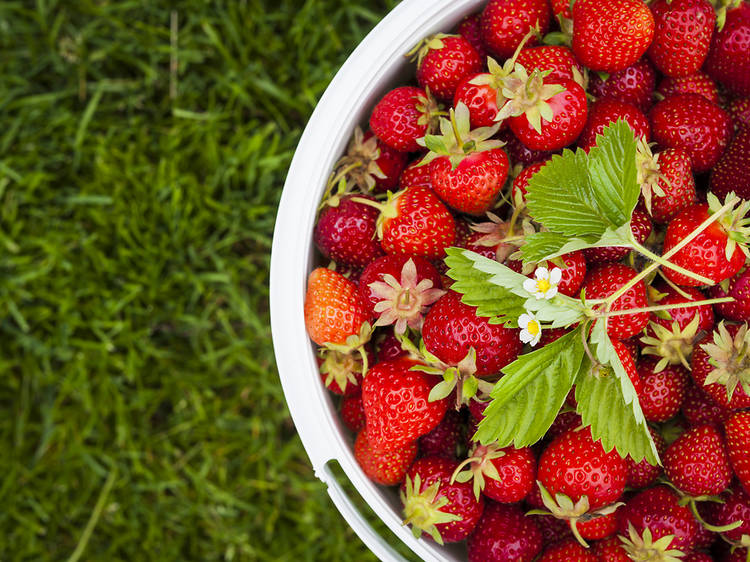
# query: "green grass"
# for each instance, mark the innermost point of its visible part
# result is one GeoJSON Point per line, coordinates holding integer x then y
{"type": "Point", "coordinates": [143, 148]}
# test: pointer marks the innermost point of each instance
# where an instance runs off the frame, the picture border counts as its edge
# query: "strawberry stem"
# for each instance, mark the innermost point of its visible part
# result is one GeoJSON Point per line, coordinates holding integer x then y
{"type": "Point", "coordinates": [660, 261]}
{"type": "Point", "coordinates": [663, 307]}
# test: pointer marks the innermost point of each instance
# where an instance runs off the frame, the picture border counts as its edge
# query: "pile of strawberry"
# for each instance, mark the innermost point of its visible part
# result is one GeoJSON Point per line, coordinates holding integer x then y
{"type": "Point", "coordinates": [446, 163]}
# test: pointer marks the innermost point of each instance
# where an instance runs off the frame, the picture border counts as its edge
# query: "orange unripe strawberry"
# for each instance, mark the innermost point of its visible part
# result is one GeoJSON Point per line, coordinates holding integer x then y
{"type": "Point", "coordinates": [333, 308]}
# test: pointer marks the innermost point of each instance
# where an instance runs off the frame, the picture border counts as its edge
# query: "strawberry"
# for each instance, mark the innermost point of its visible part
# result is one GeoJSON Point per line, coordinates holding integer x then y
{"type": "Point", "coordinates": [728, 60]}
{"type": "Point", "coordinates": [640, 226]}
{"type": "Point", "coordinates": [470, 29]}
{"type": "Point", "coordinates": [598, 527]}
{"type": "Point", "coordinates": [720, 366]}
{"type": "Point", "coordinates": [628, 363]}
{"type": "Point", "coordinates": [697, 462]}
{"type": "Point", "coordinates": [521, 182]}
{"type": "Point", "coordinates": [443, 61]}
{"type": "Point", "coordinates": [345, 231]}
{"type": "Point", "coordinates": [353, 413]}
{"type": "Point", "coordinates": [558, 60]}
{"type": "Point", "coordinates": [732, 171]}
{"type": "Point", "coordinates": [414, 221]}
{"type": "Point", "coordinates": [446, 512]}
{"type": "Point", "coordinates": [667, 182]}
{"type": "Point", "coordinates": [610, 35]}
{"type": "Point", "coordinates": [504, 533]}
{"type": "Point", "coordinates": [713, 253]}
{"type": "Point", "coordinates": [652, 514]}
{"type": "Point", "coordinates": [606, 111]}
{"type": "Point", "coordinates": [567, 550]}
{"type": "Point", "coordinates": [480, 93]}
{"type": "Point", "coordinates": [385, 468]}
{"type": "Point", "coordinates": [697, 83]}
{"type": "Point", "coordinates": [333, 308]}
{"type": "Point", "coordinates": [663, 391]}
{"type": "Point", "coordinates": [691, 122]}
{"type": "Point", "coordinates": [388, 346]}
{"type": "Point", "coordinates": [415, 175]}
{"type": "Point", "coordinates": [573, 273]}
{"type": "Point", "coordinates": [604, 280]}
{"type": "Point", "coordinates": [452, 327]}
{"type": "Point", "coordinates": [396, 404]}
{"type": "Point", "coordinates": [342, 371]}
{"type": "Point", "coordinates": [644, 474]}
{"type": "Point", "coordinates": [519, 152]}
{"type": "Point", "coordinates": [402, 116]}
{"type": "Point", "coordinates": [739, 111]}
{"type": "Point", "coordinates": [398, 289]}
{"type": "Point", "coordinates": [737, 429]}
{"type": "Point", "coordinates": [735, 507]}
{"type": "Point", "coordinates": [505, 475]}
{"type": "Point", "coordinates": [738, 287]}
{"type": "Point", "coordinates": [565, 421]}
{"type": "Point", "coordinates": [467, 169]}
{"type": "Point", "coordinates": [443, 441]}
{"type": "Point", "coordinates": [634, 84]}
{"type": "Point", "coordinates": [505, 23]}
{"type": "Point", "coordinates": [699, 408]}
{"type": "Point", "coordinates": [610, 550]}
{"type": "Point", "coordinates": [682, 36]}
{"type": "Point", "coordinates": [552, 528]}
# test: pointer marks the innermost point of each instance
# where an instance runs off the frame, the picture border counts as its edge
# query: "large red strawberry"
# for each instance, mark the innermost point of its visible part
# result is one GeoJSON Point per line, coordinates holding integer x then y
{"type": "Point", "coordinates": [402, 116]}
{"type": "Point", "coordinates": [667, 182]}
{"type": "Point", "coordinates": [503, 533]}
{"type": "Point", "coordinates": [713, 253]}
{"type": "Point", "coordinates": [683, 35]}
{"type": "Point", "coordinates": [433, 506]}
{"type": "Point", "coordinates": [728, 60]}
{"type": "Point", "coordinates": [334, 310]}
{"type": "Point", "coordinates": [443, 61]}
{"type": "Point", "coordinates": [691, 122]}
{"type": "Point", "coordinates": [505, 475]}
{"type": "Point", "coordinates": [385, 468]}
{"type": "Point", "coordinates": [505, 23]}
{"type": "Point", "coordinates": [697, 83]}
{"type": "Point", "coordinates": [737, 429]}
{"type": "Point", "coordinates": [663, 390]}
{"type": "Point", "coordinates": [738, 287]}
{"type": "Point", "coordinates": [345, 231]}
{"type": "Point", "coordinates": [732, 171]}
{"type": "Point", "coordinates": [602, 281]}
{"type": "Point", "coordinates": [697, 462]}
{"type": "Point", "coordinates": [606, 111]}
{"type": "Point", "coordinates": [452, 327]}
{"type": "Point", "coordinates": [396, 404]}
{"type": "Point", "coordinates": [609, 35]}
{"type": "Point", "coordinates": [634, 84]}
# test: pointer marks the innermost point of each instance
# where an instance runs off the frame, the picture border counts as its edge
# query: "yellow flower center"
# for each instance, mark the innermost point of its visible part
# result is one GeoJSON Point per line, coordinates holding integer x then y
{"type": "Point", "coordinates": [533, 327]}
{"type": "Point", "coordinates": [543, 285]}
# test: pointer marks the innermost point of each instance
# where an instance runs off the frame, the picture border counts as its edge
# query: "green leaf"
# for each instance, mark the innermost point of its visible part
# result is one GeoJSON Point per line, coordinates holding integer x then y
{"type": "Point", "coordinates": [527, 399]}
{"type": "Point", "coordinates": [546, 245]}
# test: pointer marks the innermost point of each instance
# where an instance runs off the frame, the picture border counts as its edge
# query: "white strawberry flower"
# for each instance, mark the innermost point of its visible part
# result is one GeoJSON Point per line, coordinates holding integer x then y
{"type": "Point", "coordinates": [544, 284]}
{"type": "Point", "coordinates": [531, 329]}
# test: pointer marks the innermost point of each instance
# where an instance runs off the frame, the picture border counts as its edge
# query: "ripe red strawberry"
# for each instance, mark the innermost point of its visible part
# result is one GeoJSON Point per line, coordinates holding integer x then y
{"type": "Point", "coordinates": [565, 421]}
{"type": "Point", "coordinates": [606, 111]}
{"type": "Point", "coordinates": [720, 366]}
{"type": "Point", "coordinates": [567, 550]}
{"type": "Point", "coordinates": [342, 371]}
{"type": "Point", "coordinates": [667, 182]}
{"type": "Point", "coordinates": [697, 83]}
{"type": "Point", "coordinates": [699, 408]}
{"type": "Point", "coordinates": [697, 462]}
{"type": "Point", "coordinates": [706, 253]}
{"type": "Point", "coordinates": [333, 308]}
{"type": "Point", "coordinates": [609, 35]}
{"type": "Point", "coordinates": [345, 231]}
{"type": "Point", "coordinates": [443, 62]}
{"type": "Point", "coordinates": [519, 153]}
{"type": "Point", "coordinates": [739, 111]}
{"type": "Point", "coordinates": [640, 226]}
{"type": "Point", "coordinates": [415, 175]}
{"type": "Point", "coordinates": [504, 533]}
{"type": "Point", "coordinates": [402, 116]}
{"type": "Point", "coordinates": [683, 35]}
{"type": "Point", "coordinates": [433, 506]}
{"type": "Point", "coordinates": [452, 327]}
{"type": "Point", "coordinates": [732, 171]}
{"type": "Point", "coordinates": [558, 60]}
{"type": "Point", "coordinates": [691, 122]}
{"type": "Point", "coordinates": [610, 550]}
{"type": "Point", "coordinates": [627, 358]}
{"type": "Point", "coordinates": [505, 23]}
{"type": "Point", "coordinates": [634, 84]}
{"type": "Point", "coordinates": [505, 475]}
{"type": "Point", "coordinates": [644, 474]}
{"type": "Point", "coordinates": [353, 413]}
{"type": "Point", "coordinates": [728, 60]}
{"type": "Point", "coordinates": [598, 527]}
{"type": "Point", "coordinates": [414, 221]}
{"type": "Point", "coordinates": [443, 441]}
{"type": "Point", "coordinates": [573, 274]}
{"type": "Point", "coordinates": [656, 512]}
{"type": "Point", "coordinates": [396, 404]}
{"type": "Point", "coordinates": [521, 182]}
{"type": "Point", "coordinates": [385, 468]}
{"type": "Point", "coordinates": [735, 507]}
{"type": "Point", "coordinates": [470, 29]}
{"type": "Point", "coordinates": [479, 93]}
{"type": "Point", "coordinates": [738, 288]}
{"type": "Point", "coordinates": [604, 280]}
{"type": "Point", "coordinates": [737, 429]}
{"type": "Point", "coordinates": [663, 391]}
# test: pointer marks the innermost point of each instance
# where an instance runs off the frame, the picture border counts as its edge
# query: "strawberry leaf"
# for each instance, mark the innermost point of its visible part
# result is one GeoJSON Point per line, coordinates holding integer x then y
{"type": "Point", "coordinates": [547, 245]}
{"type": "Point", "coordinates": [527, 399]}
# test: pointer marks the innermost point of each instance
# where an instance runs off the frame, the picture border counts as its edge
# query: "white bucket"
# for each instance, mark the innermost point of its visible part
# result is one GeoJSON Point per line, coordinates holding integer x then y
{"type": "Point", "coordinates": [377, 65]}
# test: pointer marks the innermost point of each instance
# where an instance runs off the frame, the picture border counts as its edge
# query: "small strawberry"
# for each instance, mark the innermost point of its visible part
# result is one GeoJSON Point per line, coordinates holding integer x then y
{"type": "Point", "coordinates": [396, 404]}
{"type": "Point", "coordinates": [470, 29]}
{"type": "Point", "coordinates": [567, 550]}
{"type": "Point", "coordinates": [342, 371]}
{"type": "Point", "coordinates": [521, 182]}
{"type": "Point", "coordinates": [573, 273]}
{"type": "Point", "coordinates": [663, 390]}
{"type": "Point", "coordinates": [606, 111]}
{"type": "Point", "coordinates": [443, 61]}
{"type": "Point", "coordinates": [644, 474]}
{"type": "Point", "coordinates": [504, 533]}
{"type": "Point", "coordinates": [737, 429]}
{"type": "Point", "coordinates": [699, 408]}
{"type": "Point", "coordinates": [691, 122]}
{"type": "Point", "coordinates": [561, 8]}
{"type": "Point", "coordinates": [604, 280]}
{"type": "Point", "coordinates": [716, 253]}
{"type": "Point", "coordinates": [667, 182]}
{"type": "Point", "coordinates": [388, 346]}
{"type": "Point", "coordinates": [609, 35]}
{"type": "Point", "coordinates": [739, 111]}
{"type": "Point", "coordinates": [402, 116]}
{"type": "Point", "coordinates": [732, 171]}
{"type": "Point", "coordinates": [728, 60]}
{"type": "Point", "coordinates": [505, 475]}
{"type": "Point", "coordinates": [519, 152]}
{"type": "Point", "coordinates": [634, 84]}
{"type": "Point", "coordinates": [697, 462]}
{"type": "Point", "coordinates": [384, 468]}
{"type": "Point", "coordinates": [333, 308]}
{"type": "Point", "coordinates": [353, 413]}
{"type": "Point", "coordinates": [599, 527]}
{"type": "Point", "coordinates": [505, 23]}
{"type": "Point", "coordinates": [558, 60]}
{"type": "Point", "coordinates": [433, 506]}
{"type": "Point", "coordinates": [444, 440]}
{"type": "Point", "coordinates": [683, 35]}
{"type": "Point", "coordinates": [697, 83]}
{"type": "Point", "coordinates": [611, 550]}
{"type": "Point", "coordinates": [481, 93]}
{"type": "Point", "coordinates": [640, 226]}
{"type": "Point", "coordinates": [415, 175]}
{"type": "Point", "coordinates": [737, 287]}
{"type": "Point", "coordinates": [627, 358]}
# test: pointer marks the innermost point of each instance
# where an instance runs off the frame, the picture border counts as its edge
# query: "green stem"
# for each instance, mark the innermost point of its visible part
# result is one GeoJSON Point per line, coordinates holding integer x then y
{"type": "Point", "coordinates": [660, 261]}
{"type": "Point", "coordinates": [664, 307]}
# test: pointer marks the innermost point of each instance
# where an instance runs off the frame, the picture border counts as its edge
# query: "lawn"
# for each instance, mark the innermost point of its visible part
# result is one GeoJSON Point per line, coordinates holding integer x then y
{"type": "Point", "coordinates": [143, 149]}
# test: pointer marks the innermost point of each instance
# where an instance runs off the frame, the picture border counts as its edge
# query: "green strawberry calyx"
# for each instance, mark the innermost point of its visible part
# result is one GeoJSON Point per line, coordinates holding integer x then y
{"type": "Point", "coordinates": [643, 547]}
{"type": "Point", "coordinates": [429, 43]}
{"type": "Point", "coordinates": [422, 508]}
{"type": "Point", "coordinates": [730, 357]}
{"type": "Point", "coordinates": [673, 345]}
{"type": "Point", "coordinates": [341, 361]}
{"type": "Point", "coordinates": [360, 163]}
{"type": "Point", "coordinates": [478, 465]}
{"type": "Point", "coordinates": [649, 173]}
{"type": "Point", "coordinates": [734, 222]}
{"type": "Point", "coordinates": [528, 95]}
